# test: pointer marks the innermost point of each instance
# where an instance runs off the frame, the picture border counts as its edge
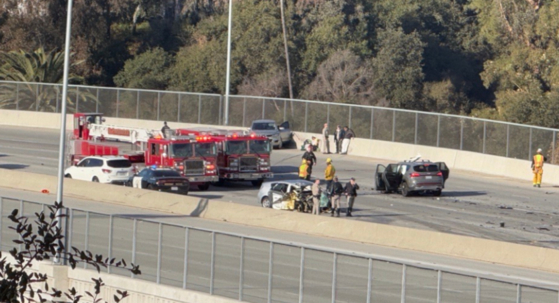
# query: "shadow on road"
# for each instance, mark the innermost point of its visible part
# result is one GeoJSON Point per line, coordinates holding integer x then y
{"type": "Point", "coordinates": [281, 169]}
{"type": "Point", "coordinates": [202, 205]}
{"type": "Point", "coordinates": [202, 196]}
{"type": "Point", "coordinates": [141, 216]}
{"type": "Point", "coordinates": [463, 193]}
{"type": "Point", "coordinates": [13, 166]}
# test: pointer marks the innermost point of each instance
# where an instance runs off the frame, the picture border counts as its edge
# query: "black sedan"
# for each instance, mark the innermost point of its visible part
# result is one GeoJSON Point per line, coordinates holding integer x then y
{"type": "Point", "coordinates": [161, 179]}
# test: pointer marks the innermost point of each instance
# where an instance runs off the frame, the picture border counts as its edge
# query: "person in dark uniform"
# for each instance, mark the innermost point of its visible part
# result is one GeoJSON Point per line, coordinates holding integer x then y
{"type": "Point", "coordinates": [351, 192]}
{"type": "Point", "coordinates": [310, 157]}
{"type": "Point", "coordinates": [164, 128]}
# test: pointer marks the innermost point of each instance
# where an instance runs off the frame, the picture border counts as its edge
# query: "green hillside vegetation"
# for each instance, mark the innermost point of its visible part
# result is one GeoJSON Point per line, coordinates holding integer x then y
{"type": "Point", "coordinates": [486, 58]}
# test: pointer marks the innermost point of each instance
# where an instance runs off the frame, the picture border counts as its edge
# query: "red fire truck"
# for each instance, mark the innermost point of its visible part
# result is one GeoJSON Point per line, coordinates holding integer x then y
{"type": "Point", "coordinates": [195, 157]}
{"type": "Point", "coordinates": [241, 156]}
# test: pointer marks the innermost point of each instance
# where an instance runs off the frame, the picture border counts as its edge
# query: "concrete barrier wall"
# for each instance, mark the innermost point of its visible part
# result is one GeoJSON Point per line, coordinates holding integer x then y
{"type": "Point", "coordinates": [399, 237]}
{"type": "Point", "coordinates": [64, 278]}
{"type": "Point", "coordinates": [392, 151]}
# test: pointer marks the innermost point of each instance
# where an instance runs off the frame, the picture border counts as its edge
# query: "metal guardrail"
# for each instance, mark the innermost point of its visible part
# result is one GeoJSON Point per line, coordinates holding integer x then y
{"type": "Point", "coordinates": [404, 126]}
{"type": "Point", "coordinates": [253, 269]}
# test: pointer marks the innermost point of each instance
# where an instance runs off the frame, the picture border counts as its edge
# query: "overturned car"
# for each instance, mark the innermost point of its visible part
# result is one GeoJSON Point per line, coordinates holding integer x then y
{"type": "Point", "coordinates": [413, 176]}
{"type": "Point", "coordinates": [287, 195]}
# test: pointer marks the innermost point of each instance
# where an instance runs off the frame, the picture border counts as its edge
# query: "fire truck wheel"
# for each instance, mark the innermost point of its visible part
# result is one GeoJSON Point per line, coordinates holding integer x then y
{"type": "Point", "coordinates": [95, 179]}
{"type": "Point", "coordinates": [256, 183]}
{"type": "Point", "coordinates": [204, 186]}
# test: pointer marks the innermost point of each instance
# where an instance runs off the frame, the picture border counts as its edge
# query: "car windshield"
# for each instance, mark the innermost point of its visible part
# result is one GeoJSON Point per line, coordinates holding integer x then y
{"type": "Point", "coordinates": [120, 163]}
{"type": "Point", "coordinates": [205, 149]}
{"type": "Point", "coordinates": [264, 126]}
{"type": "Point", "coordinates": [165, 173]}
{"type": "Point", "coordinates": [259, 146]}
{"type": "Point", "coordinates": [426, 168]}
{"type": "Point", "coordinates": [182, 150]}
{"type": "Point", "coordinates": [236, 147]}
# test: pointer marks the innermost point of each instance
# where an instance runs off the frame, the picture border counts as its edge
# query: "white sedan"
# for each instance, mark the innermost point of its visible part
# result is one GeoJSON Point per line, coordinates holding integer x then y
{"type": "Point", "coordinates": [275, 194]}
{"type": "Point", "coordinates": [106, 169]}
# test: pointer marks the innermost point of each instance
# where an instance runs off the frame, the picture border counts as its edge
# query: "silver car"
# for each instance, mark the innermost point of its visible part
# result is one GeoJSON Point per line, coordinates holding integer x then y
{"type": "Point", "coordinates": [412, 177]}
{"type": "Point", "coordinates": [273, 194]}
{"type": "Point", "coordinates": [278, 135]}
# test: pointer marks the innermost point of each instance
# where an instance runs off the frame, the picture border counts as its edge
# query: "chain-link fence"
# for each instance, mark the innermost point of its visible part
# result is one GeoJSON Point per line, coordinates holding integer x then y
{"type": "Point", "coordinates": [254, 269]}
{"type": "Point", "coordinates": [404, 126]}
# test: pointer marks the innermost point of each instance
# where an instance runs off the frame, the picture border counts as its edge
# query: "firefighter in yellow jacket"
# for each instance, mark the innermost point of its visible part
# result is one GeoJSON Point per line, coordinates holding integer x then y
{"type": "Point", "coordinates": [329, 173]}
{"type": "Point", "coordinates": [304, 170]}
{"type": "Point", "coordinates": [537, 167]}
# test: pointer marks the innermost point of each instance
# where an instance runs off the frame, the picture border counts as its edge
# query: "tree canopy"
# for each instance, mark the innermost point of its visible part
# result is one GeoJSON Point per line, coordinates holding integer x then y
{"type": "Point", "coordinates": [494, 58]}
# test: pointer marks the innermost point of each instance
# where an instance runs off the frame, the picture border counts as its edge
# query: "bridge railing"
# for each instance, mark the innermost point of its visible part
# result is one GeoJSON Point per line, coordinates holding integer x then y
{"type": "Point", "coordinates": [379, 123]}
{"type": "Point", "coordinates": [253, 269]}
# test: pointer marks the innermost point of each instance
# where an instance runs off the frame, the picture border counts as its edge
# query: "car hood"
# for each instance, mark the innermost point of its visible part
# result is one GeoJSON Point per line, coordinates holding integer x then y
{"type": "Point", "coordinates": [265, 132]}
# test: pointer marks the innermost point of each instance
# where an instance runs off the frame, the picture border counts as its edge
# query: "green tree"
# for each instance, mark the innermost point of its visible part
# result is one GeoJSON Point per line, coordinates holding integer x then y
{"type": "Point", "coordinates": [149, 70]}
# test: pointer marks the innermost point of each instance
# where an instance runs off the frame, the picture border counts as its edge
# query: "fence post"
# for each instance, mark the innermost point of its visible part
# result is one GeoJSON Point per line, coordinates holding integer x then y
{"type": "Point", "coordinates": [393, 125]}
{"type": "Point", "coordinates": [159, 104]}
{"type": "Point", "coordinates": [369, 280]}
{"type": "Point", "coordinates": [241, 274]}
{"type": "Point", "coordinates": [199, 108]}
{"type": "Point", "coordinates": [334, 277]}
{"type": "Point", "coordinates": [301, 273]}
{"type": "Point", "coordinates": [220, 113]}
{"type": "Point", "coordinates": [484, 134]}
{"type": "Point", "coordinates": [159, 242]}
{"type": "Point", "coordinates": [1, 212]}
{"type": "Point", "coordinates": [17, 96]}
{"type": "Point", "coordinates": [553, 149]}
{"type": "Point", "coordinates": [86, 241]}
{"type": "Point", "coordinates": [284, 110]}
{"type": "Point", "coordinates": [403, 295]}
{"type": "Point", "coordinates": [416, 126]}
{"type": "Point", "coordinates": [77, 99]}
{"type": "Point", "coordinates": [372, 120]}
{"type": "Point", "coordinates": [438, 130]}
{"type": "Point", "coordinates": [328, 114]}
{"type": "Point", "coordinates": [270, 273]}
{"type": "Point", "coordinates": [439, 285]}
{"type": "Point", "coordinates": [134, 232]}
{"type": "Point", "coordinates": [518, 294]}
{"type": "Point", "coordinates": [37, 98]}
{"type": "Point", "coordinates": [478, 290]}
{"type": "Point", "coordinates": [508, 138]}
{"type": "Point", "coordinates": [244, 111]}
{"type": "Point", "coordinates": [306, 114]}
{"type": "Point", "coordinates": [263, 108]}
{"type": "Point", "coordinates": [350, 108]}
{"type": "Point", "coordinates": [185, 268]}
{"type": "Point", "coordinates": [117, 101]}
{"type": "Point", "coordinates": [96, 101]}
{"type": "Point", "coordinates": [212, 264]}
{"type": "Point", "coordinates": [110, 241]}
{"type": "Point", "coordinates": [58, 101]}
{"type": "Point", "coordinates": [530, 146]}
{"type": "Point", "coordinates": [179, 96]}
{"type": "Point", "coordinates": [462, 121]}
{"type": "Point", "coordinates": [138, 105]}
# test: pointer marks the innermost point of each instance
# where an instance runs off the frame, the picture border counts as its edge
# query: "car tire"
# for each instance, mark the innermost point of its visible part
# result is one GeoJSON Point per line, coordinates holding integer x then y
{"type": "Point", "coordinates": [437, 193]}
{"type": "Point", "coordinates": [266, 202]}
{"type": "Point", "coordinates": [256, 183]}
{"type": "Point", "coordinates": [95, 179]}
{"type": "Point", "coordinates": [405, 190]}
{"type": "Point", "coordinates": [68, 176]}
{"type": "Point", "coordinates": [204, 186]}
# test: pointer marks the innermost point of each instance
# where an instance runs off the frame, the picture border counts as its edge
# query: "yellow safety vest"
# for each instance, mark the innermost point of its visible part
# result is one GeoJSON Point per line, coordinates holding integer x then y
{"type": "Point", "coordinates": [538, 160]}
{"type": "Point", "coordinates": [303, 170]}
{"type": "Point", "coordinates": [329, 172]}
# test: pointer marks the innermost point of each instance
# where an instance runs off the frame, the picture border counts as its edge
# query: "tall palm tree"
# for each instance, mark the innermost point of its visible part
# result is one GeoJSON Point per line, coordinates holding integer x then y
{"type": "Point", "coordinates": [37, 74]}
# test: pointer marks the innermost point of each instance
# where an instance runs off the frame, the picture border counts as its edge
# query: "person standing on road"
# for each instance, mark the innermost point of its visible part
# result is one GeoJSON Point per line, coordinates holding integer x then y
{"type": "Point", "coordinates": [351, 192]}
{"type": "Point", "coordinates": [335, 190]}
{"type": "Point", "coordinates": [348, 135]}
{"type": "Point", "coordinates": [164, 129]}
{"type": "Point", "coordinates": [337, 139]}
{"type": "Point", "coordinates": [310, 157]}
{"type": "Point", "coordinates": [325, 142]}
{"type": "Point", "coordinates": [304, 170]}
{"type": "Point", "coordinates": [316, 192]}
{"type": "Point", "coordinates": [329, 172]}
{"type": "Point", "coordinates": [537, 167]}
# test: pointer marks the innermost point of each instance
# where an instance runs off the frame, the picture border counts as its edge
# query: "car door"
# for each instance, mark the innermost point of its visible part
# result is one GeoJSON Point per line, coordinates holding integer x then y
{"type": "Point", "coordinates": [277, 194]}
{"type": "Point", "coordinates": [379, 181]}
{"type": "Point", "coordinates": [285, 131]}
{"type": "Point", "coordinates": [444, 169]}
{"type": "Point", "coordinates": [93, 169]}
{"type": "Point", "coordinates": [79, 173]}
{"type": "Point", "coordinates": [392, 177]}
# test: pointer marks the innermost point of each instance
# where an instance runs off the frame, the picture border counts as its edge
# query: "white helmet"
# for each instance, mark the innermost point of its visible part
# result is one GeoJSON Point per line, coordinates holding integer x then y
{"type": "Point", "coordinates": [539, 150]}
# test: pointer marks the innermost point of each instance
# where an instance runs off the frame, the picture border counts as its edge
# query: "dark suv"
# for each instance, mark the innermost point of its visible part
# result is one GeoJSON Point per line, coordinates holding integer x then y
{"type": "Point", "coordinates": [416, 176]}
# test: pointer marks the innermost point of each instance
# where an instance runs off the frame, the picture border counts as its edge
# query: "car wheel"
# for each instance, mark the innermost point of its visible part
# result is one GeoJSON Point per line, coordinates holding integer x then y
{"type": "Point", "coordinates": [95, 179]}
{"type": "Point", "coordinates": [437, 193]}
{"type": "Point", "coordinates": [405, 190]}
{"type": "Point", "coordinates": [256, 183]}
{"type": "Point", "coordinates": [68, 176]}
{"type": "Point", "coordinates": [204, 186]}
{"type": "Point", "coordinates": [266, 202]}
